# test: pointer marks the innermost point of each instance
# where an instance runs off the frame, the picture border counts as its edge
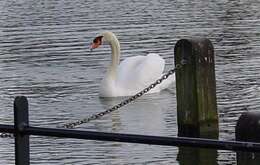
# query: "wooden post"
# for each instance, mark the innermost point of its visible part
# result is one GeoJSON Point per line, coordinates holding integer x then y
{"type": "Point", "coordinates": [196, 89]}
{"type": "Point", "coordinates": [22, 149]}
{"type": "Point", "coordinates": [247, 129]}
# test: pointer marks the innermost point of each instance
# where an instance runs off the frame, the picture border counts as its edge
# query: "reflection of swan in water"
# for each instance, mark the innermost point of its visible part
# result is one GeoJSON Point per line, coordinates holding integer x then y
{"type": "Point", "coordinates": [146, 114]}
{"type": "Point", "coordinates": [133, 74]}
{"type": "Point", "coordinates": [115, 116]}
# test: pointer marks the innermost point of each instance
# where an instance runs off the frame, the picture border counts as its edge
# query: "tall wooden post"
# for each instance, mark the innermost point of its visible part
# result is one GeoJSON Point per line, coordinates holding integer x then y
{"type": "Point", "coordinates": [196, 88]}
{"type": "Point", "coordinates": [196, 98]}
{"type": "Point", "coordinates": [22, 148]}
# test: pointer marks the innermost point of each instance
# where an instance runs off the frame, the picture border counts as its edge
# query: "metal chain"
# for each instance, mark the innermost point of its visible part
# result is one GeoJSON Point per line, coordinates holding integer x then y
{"type": "Point", "coordinates": [124, 102]}
{"type": "Point", "coordinates": [6, 135]}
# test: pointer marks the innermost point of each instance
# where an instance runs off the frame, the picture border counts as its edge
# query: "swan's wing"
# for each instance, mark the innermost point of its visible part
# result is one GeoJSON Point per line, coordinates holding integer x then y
{"type": "Point", "coordinates": [136, 73]}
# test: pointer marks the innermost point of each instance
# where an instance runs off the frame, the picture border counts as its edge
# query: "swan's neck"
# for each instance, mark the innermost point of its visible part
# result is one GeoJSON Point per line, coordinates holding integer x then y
{"type": "Point", "coordinates": [115, 48]}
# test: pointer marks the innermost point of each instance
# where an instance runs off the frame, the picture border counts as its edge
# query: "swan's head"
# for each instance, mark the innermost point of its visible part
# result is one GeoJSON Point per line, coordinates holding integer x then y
{"type": "Point", "coordinates": [106, 37]}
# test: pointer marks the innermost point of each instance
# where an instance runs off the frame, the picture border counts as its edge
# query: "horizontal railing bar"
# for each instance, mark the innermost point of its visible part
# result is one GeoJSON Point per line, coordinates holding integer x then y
{"type": "Point", "coordinates": [6, 128]}
{"type": "Point", "coordinates": [142, 139]}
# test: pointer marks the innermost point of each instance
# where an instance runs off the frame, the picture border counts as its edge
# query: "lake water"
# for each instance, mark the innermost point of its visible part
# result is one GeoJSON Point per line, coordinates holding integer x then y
{"type": "Point", "coordinates": [44, 55]}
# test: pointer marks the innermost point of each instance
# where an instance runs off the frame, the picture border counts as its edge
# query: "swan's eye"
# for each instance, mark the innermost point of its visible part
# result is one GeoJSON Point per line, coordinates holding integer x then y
{"type": "Point", "coordinates": [98, 40]}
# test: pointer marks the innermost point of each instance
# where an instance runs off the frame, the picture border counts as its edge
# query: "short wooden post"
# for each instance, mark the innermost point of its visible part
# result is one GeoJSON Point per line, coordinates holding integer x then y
{"type": "Point", "coordinates": [247, 129]}
{"type": "Point", "coordinates": [22, 149]}
{"type": "Point", "coordinates": [196, 88]}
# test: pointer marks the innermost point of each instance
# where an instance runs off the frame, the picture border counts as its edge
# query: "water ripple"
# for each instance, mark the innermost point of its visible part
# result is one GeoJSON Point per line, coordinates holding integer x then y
{"type": "Point", "coordinates": [44, 55]}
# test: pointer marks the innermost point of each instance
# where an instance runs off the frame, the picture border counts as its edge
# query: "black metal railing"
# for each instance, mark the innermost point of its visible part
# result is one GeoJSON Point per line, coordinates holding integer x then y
{"type": "Point", "coordinates": [22, 130]}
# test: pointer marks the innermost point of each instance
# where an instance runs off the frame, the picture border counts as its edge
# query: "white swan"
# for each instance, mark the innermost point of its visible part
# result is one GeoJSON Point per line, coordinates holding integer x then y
{"type": "Point", "coordinates": [131, 75]}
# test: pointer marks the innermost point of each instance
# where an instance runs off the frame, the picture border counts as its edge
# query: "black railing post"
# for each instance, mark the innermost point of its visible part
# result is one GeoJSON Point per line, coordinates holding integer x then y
{"type": "Point", "coordinates": [22, 148]}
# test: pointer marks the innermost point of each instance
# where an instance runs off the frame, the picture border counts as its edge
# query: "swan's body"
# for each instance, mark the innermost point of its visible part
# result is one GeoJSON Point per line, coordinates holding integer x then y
{"type": "Point", "coordinates": [133, 74]}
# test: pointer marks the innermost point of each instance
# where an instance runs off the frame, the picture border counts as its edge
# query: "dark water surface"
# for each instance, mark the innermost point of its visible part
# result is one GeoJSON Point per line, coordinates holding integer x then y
{"type": "Point", "coordinates": [44, 55]}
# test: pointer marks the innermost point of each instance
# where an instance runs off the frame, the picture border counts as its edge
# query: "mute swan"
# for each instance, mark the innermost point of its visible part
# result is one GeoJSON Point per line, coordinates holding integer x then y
{"type": "Point", "coordinates": [131, 75]}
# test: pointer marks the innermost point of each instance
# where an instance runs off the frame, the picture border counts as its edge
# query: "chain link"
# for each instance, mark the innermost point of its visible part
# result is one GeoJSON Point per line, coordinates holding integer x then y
{"type": "Point", "coordinates": [124, 102]}
{"type": "Point", "coordinates": [6, 135]}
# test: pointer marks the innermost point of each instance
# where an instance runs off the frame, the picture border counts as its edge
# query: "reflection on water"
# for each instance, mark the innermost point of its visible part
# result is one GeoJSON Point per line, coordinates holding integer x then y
{"type": "Point", "coordinates": [199, 156]}
{"type": "Point", "coordinates": [44, 56]}
{"type": "Point", "coordinates": [248, 158]}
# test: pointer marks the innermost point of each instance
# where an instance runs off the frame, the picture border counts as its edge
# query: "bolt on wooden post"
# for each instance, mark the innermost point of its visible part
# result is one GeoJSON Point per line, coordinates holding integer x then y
{"type": "Point", "coordinates": [196, 89]}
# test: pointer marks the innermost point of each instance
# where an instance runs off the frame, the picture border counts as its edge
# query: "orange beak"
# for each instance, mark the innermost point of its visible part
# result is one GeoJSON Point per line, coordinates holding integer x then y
{"type": "Point", "coordinates": [94, 46]}
{"type": "Point", "coordinates": [96, 43]}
